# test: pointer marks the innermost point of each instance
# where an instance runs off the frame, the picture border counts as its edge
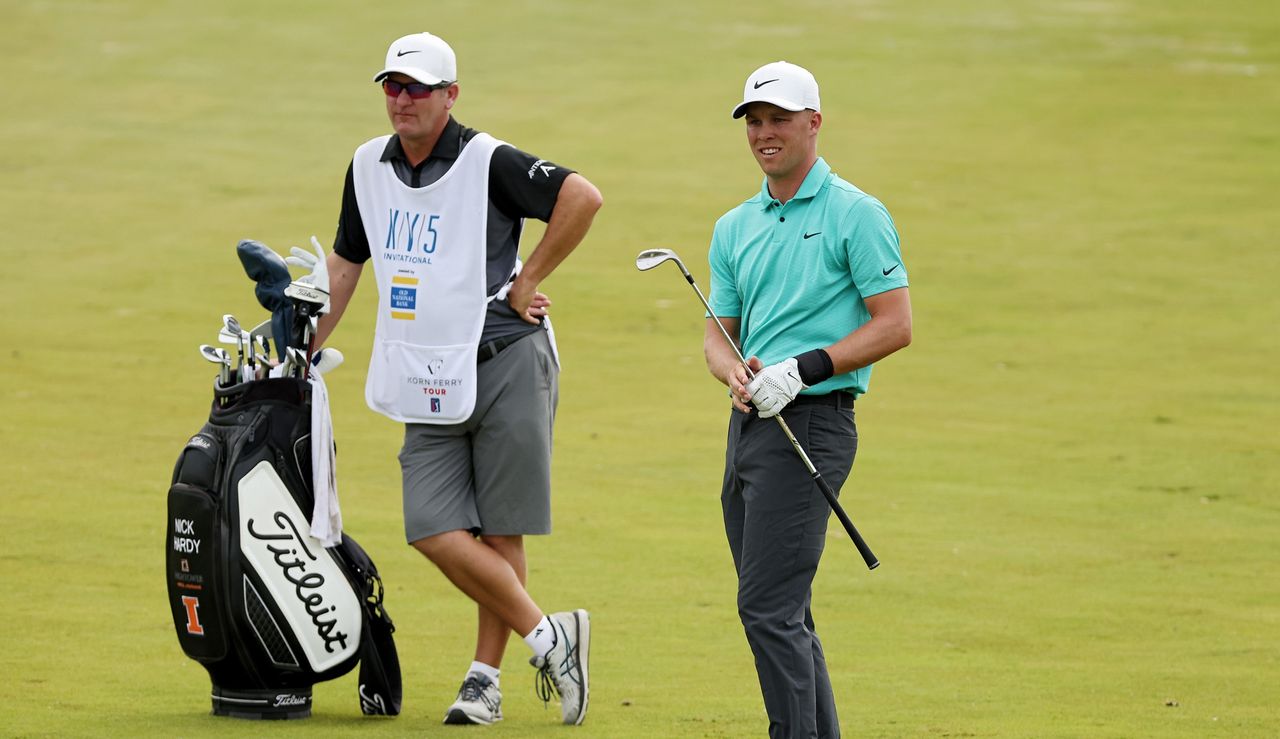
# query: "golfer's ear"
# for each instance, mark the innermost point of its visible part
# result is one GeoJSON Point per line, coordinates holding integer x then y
{"type": "Point", "coordinates": [815, 121]}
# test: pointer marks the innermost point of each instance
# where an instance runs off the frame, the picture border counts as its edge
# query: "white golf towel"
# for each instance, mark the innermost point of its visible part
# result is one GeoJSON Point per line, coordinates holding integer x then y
{"type": "Point", "coordinates": [326, 517]}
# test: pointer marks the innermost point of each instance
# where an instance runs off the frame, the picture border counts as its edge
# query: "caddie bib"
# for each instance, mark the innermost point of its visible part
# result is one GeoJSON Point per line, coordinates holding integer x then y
{"type": "Point", "coordinates": [428, 249]}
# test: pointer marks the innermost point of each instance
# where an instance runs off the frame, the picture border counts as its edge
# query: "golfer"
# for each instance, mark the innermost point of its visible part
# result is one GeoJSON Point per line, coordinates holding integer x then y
{"type": "Point", "coordinates": [808, 277]}
{"type": "Point", "coordinates": [463, 354]}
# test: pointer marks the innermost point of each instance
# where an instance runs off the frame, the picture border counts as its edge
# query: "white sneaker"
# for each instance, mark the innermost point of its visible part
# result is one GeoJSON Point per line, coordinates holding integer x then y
{"type": "Point", "coordinates": [563, 669]}
{"type": "Point", "coordinates": [479, 702]}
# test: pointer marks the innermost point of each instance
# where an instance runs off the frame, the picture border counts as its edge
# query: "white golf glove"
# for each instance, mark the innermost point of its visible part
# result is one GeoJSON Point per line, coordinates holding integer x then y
{"type": "Point", "coordinates": [314, 287]}
{"type": "Point", "coordinates": [775, 386]}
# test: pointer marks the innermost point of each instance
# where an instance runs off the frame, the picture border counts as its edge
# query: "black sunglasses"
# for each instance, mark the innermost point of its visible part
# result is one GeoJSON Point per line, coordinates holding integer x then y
{"type": "Point", "coordinates": [416, 90]}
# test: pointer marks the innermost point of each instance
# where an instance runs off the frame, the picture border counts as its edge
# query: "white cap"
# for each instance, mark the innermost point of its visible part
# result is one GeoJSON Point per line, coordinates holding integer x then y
{"type": "Point", "coordinates": [782, 84]}
{"type": "Point", "coordinates": [426, 58]}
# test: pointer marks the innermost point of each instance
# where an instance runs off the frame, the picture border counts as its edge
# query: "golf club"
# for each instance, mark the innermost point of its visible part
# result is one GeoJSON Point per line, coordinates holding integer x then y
{"type": "Point", "coordinates": [295, 363]}
{"type": "Point", "coordinates": [650, 258]}
{"type": "Point", "coordinates": [250, 355]}
{"type": "Point", "coordinates": [269, 331]}
{"type": "Point", "coordinates": [231, 327]}
{"type": "Point", "coordinates": [226, 337]}
{"type": "Point", "coordinates": [221, 358]}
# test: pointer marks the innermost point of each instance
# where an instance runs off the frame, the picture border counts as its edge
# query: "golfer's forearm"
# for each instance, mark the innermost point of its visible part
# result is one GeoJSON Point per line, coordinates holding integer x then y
{"type": "Point", "coordinates": [720, 357]}
{"type": "Point", "coordinates": [576, 208]}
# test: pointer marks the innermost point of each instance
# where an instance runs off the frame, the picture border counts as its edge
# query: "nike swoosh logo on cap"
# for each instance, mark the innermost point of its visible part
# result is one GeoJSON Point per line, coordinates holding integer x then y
{"type": "Point", "coordinates": [762, 84]}
{"type": "Point", "coordinates": [411, 51]}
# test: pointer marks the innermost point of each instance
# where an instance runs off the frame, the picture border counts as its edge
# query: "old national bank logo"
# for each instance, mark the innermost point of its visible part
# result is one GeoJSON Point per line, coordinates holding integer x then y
{"type": "Point", "coordinates": [404, 297]}
{"type": "Point", "coordinates": [411, 237]}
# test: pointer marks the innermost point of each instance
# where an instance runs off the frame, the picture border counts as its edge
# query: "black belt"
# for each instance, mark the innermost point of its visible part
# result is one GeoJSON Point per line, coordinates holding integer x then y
{"type": "Point", "coordinates": [840, 399]}
{"type": "Point", "coordinates": [489, 349]}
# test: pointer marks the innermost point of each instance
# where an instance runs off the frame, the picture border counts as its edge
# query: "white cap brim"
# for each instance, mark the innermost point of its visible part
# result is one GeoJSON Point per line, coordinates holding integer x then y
{"type": "Point", "coordinates": [792, 106]}
{"type": "Point", "coordinates": [414, 72]}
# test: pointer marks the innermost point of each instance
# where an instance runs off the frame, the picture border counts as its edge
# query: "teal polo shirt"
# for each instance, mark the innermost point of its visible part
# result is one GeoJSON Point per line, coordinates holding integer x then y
{"type": "Point", "coordinates": [796, 274]}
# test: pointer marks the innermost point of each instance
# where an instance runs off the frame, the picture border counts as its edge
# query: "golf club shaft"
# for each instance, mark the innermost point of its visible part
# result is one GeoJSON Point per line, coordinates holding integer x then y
{"type": "Point", "coordinates": [827, 492]}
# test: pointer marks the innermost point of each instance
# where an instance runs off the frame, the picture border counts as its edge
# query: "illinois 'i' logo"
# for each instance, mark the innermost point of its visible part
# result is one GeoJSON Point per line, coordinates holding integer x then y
{"type": "Point", "coordinates": [192, 604]}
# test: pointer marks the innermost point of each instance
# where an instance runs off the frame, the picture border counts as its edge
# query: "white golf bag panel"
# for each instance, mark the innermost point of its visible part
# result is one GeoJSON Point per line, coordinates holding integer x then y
{"type": "Point", "coordinates": [260, 603]}
{"type": "Point", "coordinates": [319, 606]}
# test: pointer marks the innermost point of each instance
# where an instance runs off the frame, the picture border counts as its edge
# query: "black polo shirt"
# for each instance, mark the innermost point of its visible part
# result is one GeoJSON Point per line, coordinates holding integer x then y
{"type": "Point", "coordinates": [520, 186]}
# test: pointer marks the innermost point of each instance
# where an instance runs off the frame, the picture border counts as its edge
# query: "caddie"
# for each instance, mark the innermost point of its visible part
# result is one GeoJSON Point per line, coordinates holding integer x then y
{"type": "Point", "coordinates": [464, 355]}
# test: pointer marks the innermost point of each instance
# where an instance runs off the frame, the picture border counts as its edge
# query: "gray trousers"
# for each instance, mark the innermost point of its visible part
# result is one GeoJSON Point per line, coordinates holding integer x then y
{"type": "Point", "coordinates": [775, 518]}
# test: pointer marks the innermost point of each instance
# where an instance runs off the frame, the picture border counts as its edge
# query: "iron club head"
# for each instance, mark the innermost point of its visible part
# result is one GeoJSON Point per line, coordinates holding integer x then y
{"type": "Point", "coordinates": [650, 258]}
{"type": "Point", "coordinates": [219, 357]}
{"type": "Point", "coordinates": [210, 354]}
{"type": "Point", "coordinates": [231, 327]}
{"type": "Point", "coordinates": [297, 363]}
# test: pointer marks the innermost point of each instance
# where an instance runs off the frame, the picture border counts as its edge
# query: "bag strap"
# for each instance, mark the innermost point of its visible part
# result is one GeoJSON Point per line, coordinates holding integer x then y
{"type": "Point", "coordinates": [379, 689]}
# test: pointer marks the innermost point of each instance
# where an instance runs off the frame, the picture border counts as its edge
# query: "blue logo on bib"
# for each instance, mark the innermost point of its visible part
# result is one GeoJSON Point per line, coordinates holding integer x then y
{"type": "Point", "coordinates": [404, 298]}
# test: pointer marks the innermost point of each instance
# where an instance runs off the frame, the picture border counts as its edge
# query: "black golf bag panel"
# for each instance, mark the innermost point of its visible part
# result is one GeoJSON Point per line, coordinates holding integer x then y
{"type": "Point", "coordinates": [261, 604]}
{"type": "Point", "coordinates": [193, 536]}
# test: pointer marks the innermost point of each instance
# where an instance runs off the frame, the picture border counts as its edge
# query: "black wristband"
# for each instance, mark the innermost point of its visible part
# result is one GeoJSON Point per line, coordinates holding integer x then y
{"type": "Point", "coordinates": [815, 366]}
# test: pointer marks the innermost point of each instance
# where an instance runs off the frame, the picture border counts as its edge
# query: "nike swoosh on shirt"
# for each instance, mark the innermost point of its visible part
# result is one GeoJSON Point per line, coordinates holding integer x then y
{"type": "Point", "coordinates": [810, 236]}
{"type": "Point", "coordinates": [887, 271]}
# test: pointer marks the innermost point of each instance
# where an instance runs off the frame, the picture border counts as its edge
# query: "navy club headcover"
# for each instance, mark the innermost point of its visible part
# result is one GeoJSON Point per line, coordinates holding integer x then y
{"type": "Point", "coordinates": [271, 274]}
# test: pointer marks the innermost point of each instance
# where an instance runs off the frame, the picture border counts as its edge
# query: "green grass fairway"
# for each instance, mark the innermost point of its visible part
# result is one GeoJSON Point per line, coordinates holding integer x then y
{"type": "Point", "coordinates": [1072, 477]}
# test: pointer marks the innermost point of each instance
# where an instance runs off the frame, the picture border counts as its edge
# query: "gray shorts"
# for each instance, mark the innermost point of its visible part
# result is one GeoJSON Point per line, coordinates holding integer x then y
{"type": "Point", "coordinates": [490, 474]}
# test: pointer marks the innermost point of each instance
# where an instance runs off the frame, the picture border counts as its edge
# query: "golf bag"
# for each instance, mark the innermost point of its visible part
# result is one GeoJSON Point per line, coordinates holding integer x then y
{"type": "Point", "coordinates": [261, 604]}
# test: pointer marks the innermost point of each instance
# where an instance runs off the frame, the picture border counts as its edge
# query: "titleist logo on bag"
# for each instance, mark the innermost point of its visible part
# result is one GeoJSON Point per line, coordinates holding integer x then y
{"type": "Point", "coordinates": [294, 557]}
{"type": "Point", "coordinates": [371, 702]}
{"type": "Point", "coordinates": [291, 700]}
{"type": "Point", "coordinates": [302, 577]}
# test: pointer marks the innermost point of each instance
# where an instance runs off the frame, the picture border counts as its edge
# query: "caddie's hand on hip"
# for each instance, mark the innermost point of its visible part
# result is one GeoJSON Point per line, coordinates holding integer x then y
{"type": "Point", "coordinates": [540, 306]}
{"type": "Point", "coordinates": [525, 301]}
{"type": "Point", "coordinates": [775, 386]}
{"type": "Point", "coordinates": [738, 380]}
